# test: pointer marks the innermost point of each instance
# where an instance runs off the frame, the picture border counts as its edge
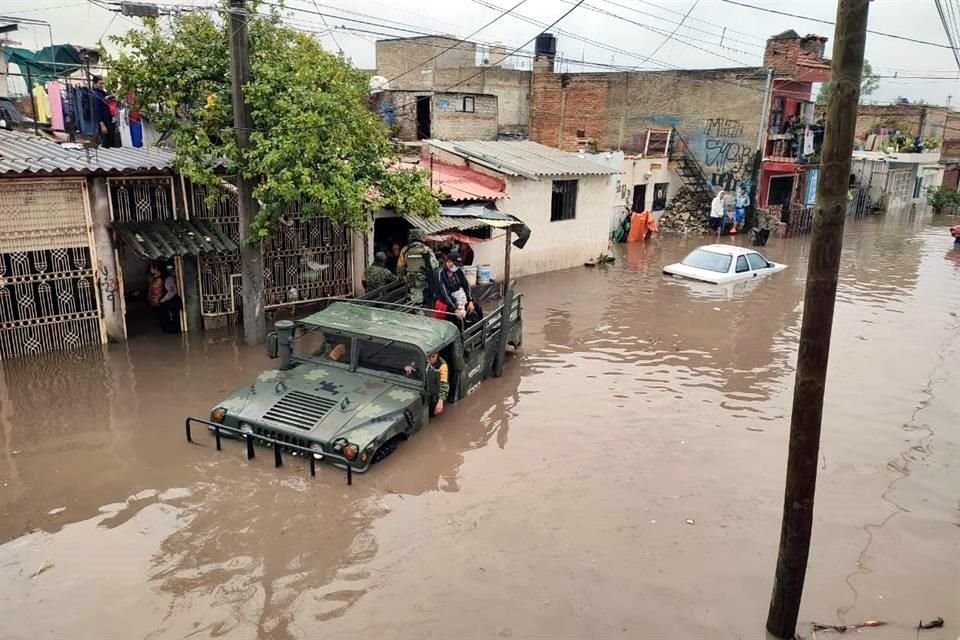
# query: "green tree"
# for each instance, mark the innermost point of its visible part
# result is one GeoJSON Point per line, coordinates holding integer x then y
{"type": "Point", "coordinates": [868, 84]}
{"type": "Point", "coordinates": [314, 139]}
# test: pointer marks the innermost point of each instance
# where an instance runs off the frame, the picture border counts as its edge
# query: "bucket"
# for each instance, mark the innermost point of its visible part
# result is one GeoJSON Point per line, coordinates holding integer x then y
{"type": "Point", "coordinates": [484, 273]}
{"type": "Point", "coordinates": [471, 274]}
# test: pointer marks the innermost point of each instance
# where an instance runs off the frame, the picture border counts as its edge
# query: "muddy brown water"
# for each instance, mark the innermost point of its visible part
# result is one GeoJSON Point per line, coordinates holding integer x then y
{"type": "Point", "coordinates": [623, 479]}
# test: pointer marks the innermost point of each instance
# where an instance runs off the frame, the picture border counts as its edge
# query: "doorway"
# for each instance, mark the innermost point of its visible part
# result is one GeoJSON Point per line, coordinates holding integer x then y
{"type": "Point", "coordinates": [781, 189]}
{"type": "Point", "coordinates": [639, 197]}
{"type": "Point", "coordinates": [423, 117]}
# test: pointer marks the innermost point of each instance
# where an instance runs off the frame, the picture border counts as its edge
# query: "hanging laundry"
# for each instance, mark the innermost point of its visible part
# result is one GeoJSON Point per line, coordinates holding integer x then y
{"type": "Point", "coordinates": [41, 104]}
{"type": "Point", "coordinates": [56, 105]}
{"type": "Point", "coordinates": [84, 106]}
{"type": "Point", "coordinates": [123, 126]}
{"type": "Point", "coordinates": [136, 132]}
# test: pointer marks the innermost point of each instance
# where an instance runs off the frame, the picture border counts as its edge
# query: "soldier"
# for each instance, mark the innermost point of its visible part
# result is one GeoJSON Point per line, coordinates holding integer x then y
{"type": "Point", "coordinates": [436, 366]}
{"type": "Point", "coordinates": [417, 267]}
{"type": "Point", "coordinates": [377, 275]}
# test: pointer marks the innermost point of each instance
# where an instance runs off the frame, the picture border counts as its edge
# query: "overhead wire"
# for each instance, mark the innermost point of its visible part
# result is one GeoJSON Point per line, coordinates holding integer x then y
{"type": "Point", "coordinates": [821, 21]}
{"type": "Point", "coordinates": [667, 39]}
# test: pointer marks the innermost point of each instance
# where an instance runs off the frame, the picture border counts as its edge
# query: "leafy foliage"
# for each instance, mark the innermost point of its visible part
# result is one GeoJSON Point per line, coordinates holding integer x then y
{"type": "Point", "coordinates": [940, 198]}
{"type": "Point", "coordinates": [868, 84]}
{"type": "Point", "coordinates": [313, 140]}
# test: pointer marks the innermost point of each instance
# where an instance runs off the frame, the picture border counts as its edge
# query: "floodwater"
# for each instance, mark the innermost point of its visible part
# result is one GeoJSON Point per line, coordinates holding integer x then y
{"type": "Point", "coordinates": [623, 479]}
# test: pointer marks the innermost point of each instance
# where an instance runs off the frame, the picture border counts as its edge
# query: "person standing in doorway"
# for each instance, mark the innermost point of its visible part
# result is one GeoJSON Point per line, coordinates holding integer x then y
{"type": "Point", "coordinates": [466, 253]}
{"type": "Point", "coordinates": [163, 297]}
{"type": "Point", "coordinates": [106, 129]}
{"type": "Point", "coordinates": [393, 257]}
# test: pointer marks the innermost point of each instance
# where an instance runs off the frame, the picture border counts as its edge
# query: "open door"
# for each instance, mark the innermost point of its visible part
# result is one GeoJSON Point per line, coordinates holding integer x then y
{"type": "Point", "coordinates": [423, 117]}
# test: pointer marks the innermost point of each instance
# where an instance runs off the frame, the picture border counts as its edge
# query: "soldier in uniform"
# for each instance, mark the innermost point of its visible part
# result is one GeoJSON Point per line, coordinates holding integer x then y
{"type": "Point", "coordinates": [418, 267]}
{"type": "Point", "coordinates": [436, 366]}
{"type": "Point", "coordinates": [377, 275]}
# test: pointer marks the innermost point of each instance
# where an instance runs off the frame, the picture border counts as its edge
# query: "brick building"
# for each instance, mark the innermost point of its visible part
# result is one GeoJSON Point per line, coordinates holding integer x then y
{"type": "Point", "coordinates": [716, 115]}
{"type": "Point", "coordinates": [407, 65]}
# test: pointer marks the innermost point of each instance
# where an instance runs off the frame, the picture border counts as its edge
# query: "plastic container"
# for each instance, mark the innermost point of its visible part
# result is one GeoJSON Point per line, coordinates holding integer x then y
{"type": "Point", "coordinates": [484, 274]}
{"type": "Point", "coordinates": [471, 273]}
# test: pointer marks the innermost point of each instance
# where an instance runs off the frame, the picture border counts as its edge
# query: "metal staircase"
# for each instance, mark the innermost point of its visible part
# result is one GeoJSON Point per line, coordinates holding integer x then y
{"type": "Point", "coordinates": [690, 171]}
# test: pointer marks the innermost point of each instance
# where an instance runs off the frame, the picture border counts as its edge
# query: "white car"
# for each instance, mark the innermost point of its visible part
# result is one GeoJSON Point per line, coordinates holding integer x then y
{"type": "Point", "coordinates": [721, 263]}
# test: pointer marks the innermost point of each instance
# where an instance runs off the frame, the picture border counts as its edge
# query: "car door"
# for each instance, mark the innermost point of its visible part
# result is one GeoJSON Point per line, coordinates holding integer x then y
{"type": "Point", "coordinates": [742, 269]}
{"type": "Point", "coordinates": [758, 264]}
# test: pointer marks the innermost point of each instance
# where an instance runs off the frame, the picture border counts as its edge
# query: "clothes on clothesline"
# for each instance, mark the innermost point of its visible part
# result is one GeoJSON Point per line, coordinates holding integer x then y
{"type": "Point", "coordinates": [82, 109]}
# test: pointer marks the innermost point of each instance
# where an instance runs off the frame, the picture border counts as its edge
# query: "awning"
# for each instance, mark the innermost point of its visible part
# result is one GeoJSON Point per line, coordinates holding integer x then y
{"type": "Point", "coordinates": [472, 216]}
{"type": "Point", "coordinates": [168, 238]}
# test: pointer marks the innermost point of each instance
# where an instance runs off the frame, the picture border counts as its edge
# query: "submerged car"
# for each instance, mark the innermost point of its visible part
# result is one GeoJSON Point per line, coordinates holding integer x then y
{"type": "Point", "coordinates": [721, 263]}
{"type": "Point", "coordinates": [354, 379]}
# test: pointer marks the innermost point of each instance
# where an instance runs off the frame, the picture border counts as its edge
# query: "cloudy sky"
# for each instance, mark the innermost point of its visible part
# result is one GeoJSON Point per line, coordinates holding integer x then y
{"type": "Point", "coordinates": [627, 33]}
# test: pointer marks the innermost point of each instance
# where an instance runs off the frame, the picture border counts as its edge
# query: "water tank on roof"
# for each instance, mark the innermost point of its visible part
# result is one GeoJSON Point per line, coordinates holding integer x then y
{"type": "Point", "coordinates": [546, 45]}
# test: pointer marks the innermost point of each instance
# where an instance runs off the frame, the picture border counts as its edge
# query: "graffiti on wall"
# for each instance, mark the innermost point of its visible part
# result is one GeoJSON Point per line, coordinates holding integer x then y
{"type": "Point", "coordinates": [726, 157]}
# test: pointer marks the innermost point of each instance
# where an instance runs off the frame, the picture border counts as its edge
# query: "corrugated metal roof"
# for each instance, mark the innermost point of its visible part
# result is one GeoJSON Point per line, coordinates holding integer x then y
{"type": "Point", "coordinates": [458, 183]}
{"type": "Point", "coordinates": [463, 217]}
{"type": "Point", "coordinates": [524, 158]}
{"type": "Point", "coordinates": [26, 154]}
{"type": "Point", "coordinates": [169, 238]}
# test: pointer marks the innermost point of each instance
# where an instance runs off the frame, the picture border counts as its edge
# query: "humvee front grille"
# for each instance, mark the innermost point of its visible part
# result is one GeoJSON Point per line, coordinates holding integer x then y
{"type": "Point", "coordinates": [282, 437]}
{"type": "Point", "coordinates": [300, 410]}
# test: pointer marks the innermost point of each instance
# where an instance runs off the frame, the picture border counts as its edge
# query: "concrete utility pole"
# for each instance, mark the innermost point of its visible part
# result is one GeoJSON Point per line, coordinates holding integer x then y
{"type": "Point", "coordinates": [251, 259]}
{"type": "Point", "coordinates": [819, 301]}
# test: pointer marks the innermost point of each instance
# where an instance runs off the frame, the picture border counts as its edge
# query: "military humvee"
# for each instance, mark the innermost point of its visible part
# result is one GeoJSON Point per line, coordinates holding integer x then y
{"type": "Point", "coordinates": [344, 393]}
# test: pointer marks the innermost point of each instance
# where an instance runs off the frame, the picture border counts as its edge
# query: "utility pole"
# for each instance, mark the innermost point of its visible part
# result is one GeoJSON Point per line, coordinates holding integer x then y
{"type": "Point", "coordinates": [819, 300]}
{"type": "Point", "coordinates": [251, 259]}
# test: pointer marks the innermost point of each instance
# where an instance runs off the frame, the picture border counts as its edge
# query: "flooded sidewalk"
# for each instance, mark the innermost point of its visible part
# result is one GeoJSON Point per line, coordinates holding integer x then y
{"type": "Point", "coordinates": [623, 479]}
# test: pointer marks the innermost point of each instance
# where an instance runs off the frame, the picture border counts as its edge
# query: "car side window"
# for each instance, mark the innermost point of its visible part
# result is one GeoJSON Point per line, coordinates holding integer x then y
{"type": "Point", "coordinates": [742, 264]}
{"type": "Point", "coordinates": [757, 261]}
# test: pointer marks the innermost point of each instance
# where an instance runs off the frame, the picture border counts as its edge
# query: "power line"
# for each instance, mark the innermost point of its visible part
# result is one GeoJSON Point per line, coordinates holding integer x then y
{"type": "Point", "coordinates": [501, 15]}
{"type": "Point", "coordinates": [951, 33]}
{"type": "Point", "coordinates": [667, 39]}
{"type": "Point", "coordinates": [339, 48]}
{"type": "Point", "coordinates": [808, 18]}
{"type": "Point", "coordinates": [673, 11]}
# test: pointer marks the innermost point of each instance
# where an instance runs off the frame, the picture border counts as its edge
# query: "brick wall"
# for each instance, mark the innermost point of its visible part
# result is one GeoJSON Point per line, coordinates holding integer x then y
{"type": "Point", "coordinates": [927, 121]}
{"type": "Point", "coordinates": [451, 122]}
{"type": "Point", "coordinates": [716, 111]}
{"type": "Point", "coordinates": [510, 86]}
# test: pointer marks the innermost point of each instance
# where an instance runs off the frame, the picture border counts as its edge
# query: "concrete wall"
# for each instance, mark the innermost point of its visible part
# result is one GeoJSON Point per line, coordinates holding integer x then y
{"type": "Point", "coordinates": [511, 86]}
{"type": "Point", "coordinates": [716, 111]}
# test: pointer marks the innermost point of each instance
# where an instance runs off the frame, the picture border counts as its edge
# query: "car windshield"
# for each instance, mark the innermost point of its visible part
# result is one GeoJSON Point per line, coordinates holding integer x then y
{"type": "Point", "coordinates": [708, 260]}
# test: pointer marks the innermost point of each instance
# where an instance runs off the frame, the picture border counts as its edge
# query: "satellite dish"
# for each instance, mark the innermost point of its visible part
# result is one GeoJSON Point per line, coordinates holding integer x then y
{"type": "Point", "coordinates": [378, 84]}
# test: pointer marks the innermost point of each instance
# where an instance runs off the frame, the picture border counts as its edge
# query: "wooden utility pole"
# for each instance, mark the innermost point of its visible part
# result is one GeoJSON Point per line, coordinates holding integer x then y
{"type": "Point", "coordinates": [819, 301]}
{"type": "Point", "coordinates": [251, 259]}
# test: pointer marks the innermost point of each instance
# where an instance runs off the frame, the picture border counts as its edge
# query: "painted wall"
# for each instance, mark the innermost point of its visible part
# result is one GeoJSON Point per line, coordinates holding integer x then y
{"type": "Point", "coordinates": [562, 244]}
{"type": "Point", "coordinates": [448, 120]}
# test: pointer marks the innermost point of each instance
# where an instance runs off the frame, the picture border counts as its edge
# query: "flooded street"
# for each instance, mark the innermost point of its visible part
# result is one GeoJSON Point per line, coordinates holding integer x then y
{"type": "Point", "coordinates": [623, 479]}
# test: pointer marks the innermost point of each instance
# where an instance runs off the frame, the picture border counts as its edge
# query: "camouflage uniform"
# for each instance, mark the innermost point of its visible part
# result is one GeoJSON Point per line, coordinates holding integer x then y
{"type": "Point", "coordinates": [417, 267]}
{"type": "Point", "coordinates": [442, 373]}
{"type": "Point", "coordinates": [376, 276]}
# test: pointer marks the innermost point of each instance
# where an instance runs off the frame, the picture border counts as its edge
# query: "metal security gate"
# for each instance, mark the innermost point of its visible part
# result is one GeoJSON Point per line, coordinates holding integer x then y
{"type": "Point", "coordinates": [220, 290]}
{"type": "Point", "coordinates": [141, 199]}
{"type": "Point", "coordinates": [48, 296]}
{"type": "Point", "coordinates": [306, 260]}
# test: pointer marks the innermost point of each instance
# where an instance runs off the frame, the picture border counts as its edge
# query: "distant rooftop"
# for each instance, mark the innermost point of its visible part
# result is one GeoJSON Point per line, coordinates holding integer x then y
{"type": "Point", "coordinates": [524, 158]}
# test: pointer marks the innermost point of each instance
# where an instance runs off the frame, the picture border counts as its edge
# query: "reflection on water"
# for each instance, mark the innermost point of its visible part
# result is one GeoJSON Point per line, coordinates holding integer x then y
{"type": "Point", "coordinates": [639, 402]}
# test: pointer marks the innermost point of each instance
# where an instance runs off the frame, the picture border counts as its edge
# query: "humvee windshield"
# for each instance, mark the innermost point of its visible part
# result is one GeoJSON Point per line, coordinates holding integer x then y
{"type": "Point", "coordinates": [382, 356]}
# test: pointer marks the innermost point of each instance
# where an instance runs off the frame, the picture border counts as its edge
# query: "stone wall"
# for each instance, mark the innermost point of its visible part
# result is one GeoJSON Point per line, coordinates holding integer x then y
{"type": "Point", "coordinates": [926, 121]}
{"type": "Point", "coordinates": [451, 119]}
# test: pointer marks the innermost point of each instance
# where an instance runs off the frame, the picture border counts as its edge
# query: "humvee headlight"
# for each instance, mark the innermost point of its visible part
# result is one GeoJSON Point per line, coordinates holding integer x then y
{"type": "Point", "coordinates": [318, 451]}
{"type": "Point", "coordinates": [218, 414]}
{"type": "Point", "coordinates": [247, 429]}
{"type": "Point", "coordinates": [350, 451]}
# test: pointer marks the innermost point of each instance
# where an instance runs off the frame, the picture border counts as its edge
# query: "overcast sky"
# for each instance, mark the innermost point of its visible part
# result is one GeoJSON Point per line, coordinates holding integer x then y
{"type": "Point", "coordinates": [615, 40]}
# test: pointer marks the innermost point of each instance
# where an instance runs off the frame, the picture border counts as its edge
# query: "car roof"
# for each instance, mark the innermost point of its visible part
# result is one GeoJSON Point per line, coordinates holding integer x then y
{"type": "Point", "coordinates": [427, 334]}
{"type": "Point", "coordinates": [727, 249]}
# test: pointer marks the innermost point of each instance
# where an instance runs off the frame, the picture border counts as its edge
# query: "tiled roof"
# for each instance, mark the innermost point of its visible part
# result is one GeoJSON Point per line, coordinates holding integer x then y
{"type": "Point", "coordinates": [524, 158]}
{"type": "Point", "coordinates": [27, 154]}
{"type": "Point", "coordinates": [169, 238]}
